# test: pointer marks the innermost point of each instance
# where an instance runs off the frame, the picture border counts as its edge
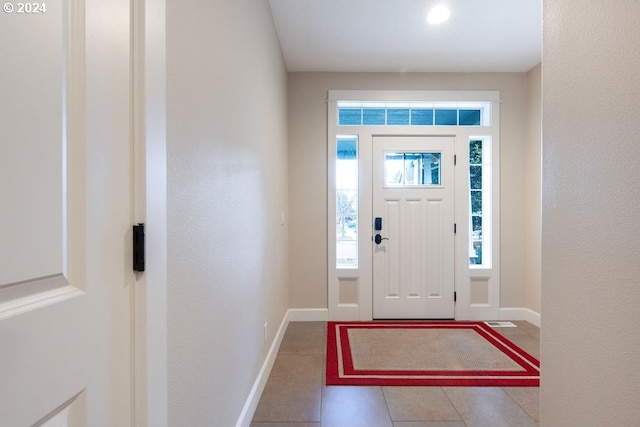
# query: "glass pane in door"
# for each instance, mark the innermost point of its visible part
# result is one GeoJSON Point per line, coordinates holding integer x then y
{"type": "Point", "coordinates": [412, 169]}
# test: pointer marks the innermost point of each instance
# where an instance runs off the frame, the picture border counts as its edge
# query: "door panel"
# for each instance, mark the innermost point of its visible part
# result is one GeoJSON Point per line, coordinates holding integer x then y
{"type": "Point", "coordinates": [413, 193]}
{"type": "Point", "coordinates": [391, 260]}
{"type": "Point", "coordinates": [65, 183]}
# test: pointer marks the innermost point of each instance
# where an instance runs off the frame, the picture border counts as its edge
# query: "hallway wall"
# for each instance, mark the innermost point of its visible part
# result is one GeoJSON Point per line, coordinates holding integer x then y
{"type": "Point", "coordinates": [590, 345]}
{"type": "Point", "coordinates": [226, 195]}
{"type": "Point", "coordinates": [308, 170]}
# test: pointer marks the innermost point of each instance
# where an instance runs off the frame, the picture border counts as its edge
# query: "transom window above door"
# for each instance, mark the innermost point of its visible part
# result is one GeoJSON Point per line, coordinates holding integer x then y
{"type": "Point", "coordinates": [413, 114]}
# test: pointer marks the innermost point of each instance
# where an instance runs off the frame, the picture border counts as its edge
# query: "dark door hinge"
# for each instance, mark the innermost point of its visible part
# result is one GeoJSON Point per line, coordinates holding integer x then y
{"type": "Point", "coordinates": [455, 228]}
{"type": "Point", "coordinates": [455, 159]}
{"type": "Point", "coordinates": [138, 247]}
{"type": "Point", "coordinates": [455, 296]}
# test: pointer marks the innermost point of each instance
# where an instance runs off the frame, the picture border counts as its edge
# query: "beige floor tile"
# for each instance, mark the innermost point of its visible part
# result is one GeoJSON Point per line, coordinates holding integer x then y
{"type": "Point", "coordinates": [304, 338]}
{"type": "Point", "coordinates": [528, 398]}
{"type": "Point", "coordinates": [354, 406]}
{"type": "Point", "coordinates": [509, 332]}
{"type": "Point", "coordinates": [293, 391]}
{"type": "Point", "coordinates": [487, 406]}
{"type": "Point", "coordinates": [419, 404]}
{"type": "Point", "coordinates": [429, 424]}
{"type": "Point", "coordinates": [529, 328]}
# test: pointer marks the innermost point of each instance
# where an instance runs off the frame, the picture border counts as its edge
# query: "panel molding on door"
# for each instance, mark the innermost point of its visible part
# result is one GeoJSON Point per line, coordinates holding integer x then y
{"type": "Point", "coordinates": [45, 262]}
{"type": "Point", "coordinates": [413, 267]}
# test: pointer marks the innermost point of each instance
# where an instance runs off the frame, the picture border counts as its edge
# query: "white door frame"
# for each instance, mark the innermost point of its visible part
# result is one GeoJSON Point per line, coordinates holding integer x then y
{"type": "Point", "coordinates": [150, 207]}
{"type": "Point", "coordinates": [350, 293]}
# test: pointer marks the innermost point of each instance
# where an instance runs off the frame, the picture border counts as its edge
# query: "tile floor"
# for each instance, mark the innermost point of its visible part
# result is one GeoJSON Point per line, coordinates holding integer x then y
{"type": "Point", "coordinates": [295, 394]}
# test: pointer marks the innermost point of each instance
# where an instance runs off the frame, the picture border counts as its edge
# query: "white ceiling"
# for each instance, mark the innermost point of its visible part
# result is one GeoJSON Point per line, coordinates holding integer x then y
{"type": "Point", "coordinates": [392, 35]}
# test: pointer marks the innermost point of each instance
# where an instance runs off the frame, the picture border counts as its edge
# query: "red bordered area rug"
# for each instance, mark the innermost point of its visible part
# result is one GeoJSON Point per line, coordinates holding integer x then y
{"type": "Point", "coordinates": [425, 354]}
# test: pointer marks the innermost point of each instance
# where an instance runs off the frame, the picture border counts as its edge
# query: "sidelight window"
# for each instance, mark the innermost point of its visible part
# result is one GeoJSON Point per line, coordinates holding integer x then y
{"type": "Point", "coordinates": [347, 202]}
{"type": "Point", "coordinates": [479, 202]}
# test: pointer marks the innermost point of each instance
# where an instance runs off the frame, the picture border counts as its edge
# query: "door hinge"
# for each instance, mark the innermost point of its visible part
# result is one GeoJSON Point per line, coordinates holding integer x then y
{"type": "Point", "coordinates": [455, 228]}
{"type": "Point", "coordinates": [455, 296]}
{"type": "Point", "coordinates": [138, 247]}
{"type": "Point", "coordinates": [455, 159]}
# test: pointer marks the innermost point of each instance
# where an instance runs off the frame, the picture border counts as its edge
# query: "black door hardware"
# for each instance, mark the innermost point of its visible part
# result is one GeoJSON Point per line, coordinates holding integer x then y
{"type": "Point", "coordinates": [378, 239]}
{"type": "Point", "coordinates": [138, 247]}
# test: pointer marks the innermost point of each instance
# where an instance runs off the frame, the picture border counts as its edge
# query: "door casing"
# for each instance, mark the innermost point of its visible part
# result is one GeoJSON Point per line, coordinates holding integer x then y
{"type": "Point", "coordinates": [350, 291]}
{"type": "Point", "coordinates": [150, 207]}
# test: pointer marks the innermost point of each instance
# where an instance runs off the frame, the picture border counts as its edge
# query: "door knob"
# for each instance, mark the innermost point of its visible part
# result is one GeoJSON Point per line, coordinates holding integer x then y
{"type": "Point", "coordinates": [378, 239]}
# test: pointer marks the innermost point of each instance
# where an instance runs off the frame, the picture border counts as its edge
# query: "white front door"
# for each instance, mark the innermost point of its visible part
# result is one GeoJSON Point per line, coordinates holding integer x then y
{"type": "Point", "coordinates": [65, 218]}
{"type": "Point", "coordinates": [413, 210]}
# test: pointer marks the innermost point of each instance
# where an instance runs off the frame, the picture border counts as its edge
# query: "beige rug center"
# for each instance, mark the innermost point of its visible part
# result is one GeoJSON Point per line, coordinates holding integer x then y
{"type": "Point", "coordinates": [425, 350]}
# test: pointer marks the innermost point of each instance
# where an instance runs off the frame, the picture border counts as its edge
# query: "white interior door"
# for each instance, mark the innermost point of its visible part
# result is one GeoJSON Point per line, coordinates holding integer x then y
{"type": "Point", "coordinates": [413, 197]}
{"type": "Point", "coordinates": [65, 220]}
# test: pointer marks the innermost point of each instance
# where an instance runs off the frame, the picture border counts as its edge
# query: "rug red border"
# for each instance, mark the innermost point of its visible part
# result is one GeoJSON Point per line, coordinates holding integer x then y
{"type": "Point", "coordinates": [528, 377]}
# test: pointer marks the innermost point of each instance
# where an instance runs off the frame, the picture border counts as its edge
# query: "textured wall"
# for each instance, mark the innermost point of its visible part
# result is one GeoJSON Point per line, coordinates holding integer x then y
{"type": "Point", "coordinates": [308, 170]}
{"type": "Point", "coordinates": [533, 178]}
{"type": "Point", "coordinates": [590, 344]}
{"type": "Point", "coordinates": [226, 192]}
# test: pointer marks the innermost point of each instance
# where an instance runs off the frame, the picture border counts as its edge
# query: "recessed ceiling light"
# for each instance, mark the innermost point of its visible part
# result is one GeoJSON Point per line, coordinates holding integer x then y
{"type": "Point", "coordinates": [438, 14]}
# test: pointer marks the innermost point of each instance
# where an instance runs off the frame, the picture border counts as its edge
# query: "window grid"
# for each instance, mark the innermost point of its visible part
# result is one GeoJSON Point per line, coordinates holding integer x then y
{"type": "Point", "coordinates": [408, 116]}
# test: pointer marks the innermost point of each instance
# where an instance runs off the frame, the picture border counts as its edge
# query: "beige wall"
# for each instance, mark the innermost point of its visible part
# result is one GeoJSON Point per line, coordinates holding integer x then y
{"type": "Point", "coordinates": [590, 345]}
{"type": "Point", "coordinates": [533, 178]}
{"type": "Point", "coordinates": [226, 192]}
{"type": "Point", "coordinates": [308, 176]}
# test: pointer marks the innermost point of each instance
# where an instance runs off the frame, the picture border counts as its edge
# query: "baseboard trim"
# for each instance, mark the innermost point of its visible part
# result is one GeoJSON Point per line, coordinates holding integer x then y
{"type": "Point", "coordinates": [263, 375]}
{"type": "Point", "coordinates": [520, 313]}
{"type": "Point", "coordinates": [308, 314]}
{"type": "Point", "coordinates": [532, 317]}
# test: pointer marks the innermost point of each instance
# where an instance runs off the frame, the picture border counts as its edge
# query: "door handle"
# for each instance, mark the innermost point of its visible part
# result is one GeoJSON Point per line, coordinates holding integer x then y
{"type": "Point", "coordinates": [378, 239]}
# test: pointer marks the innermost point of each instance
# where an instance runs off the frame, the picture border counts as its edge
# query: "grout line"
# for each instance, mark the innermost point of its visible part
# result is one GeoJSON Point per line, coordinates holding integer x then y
{"type": "Point", "coordinates": [386, 403]}
{"type": "Point", "coordinates": [519, 405]}
{"type": "Point", "coordinates": [453, 406]}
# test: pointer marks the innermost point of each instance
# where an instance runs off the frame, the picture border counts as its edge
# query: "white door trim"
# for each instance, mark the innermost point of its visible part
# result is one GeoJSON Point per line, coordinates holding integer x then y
{"type": "Point", "coordinates": [150, 297]}
{"type": "Point", "coordinates": [350, 294]}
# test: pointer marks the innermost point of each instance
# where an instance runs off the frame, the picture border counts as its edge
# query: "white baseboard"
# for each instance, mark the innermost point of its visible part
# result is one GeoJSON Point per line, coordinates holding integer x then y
{"type": "Point", "coordinates": [292, 315]}
{"type": "Point", "coordinates": [532, 317]}
{"type": "Point", "coordinates": [308, 314]}
{"type": "Point", "coordinates": [520, 313]}
{"type": "Point", "coordinates": [512, 313]}
{"type": "Point", "coordinates": [263, 375]}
